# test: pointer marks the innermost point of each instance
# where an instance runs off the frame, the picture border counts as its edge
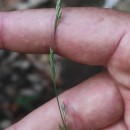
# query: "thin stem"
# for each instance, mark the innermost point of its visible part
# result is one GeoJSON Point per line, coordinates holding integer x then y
{"type": "Point", "coordinates": [57, 98]}
{"type": "Point", "coordinates": [53, 66]}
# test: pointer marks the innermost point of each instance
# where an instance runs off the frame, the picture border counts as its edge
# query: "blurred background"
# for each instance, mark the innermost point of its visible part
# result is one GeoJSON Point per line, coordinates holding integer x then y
{"type": "Point", "coordinates": [25, 81]}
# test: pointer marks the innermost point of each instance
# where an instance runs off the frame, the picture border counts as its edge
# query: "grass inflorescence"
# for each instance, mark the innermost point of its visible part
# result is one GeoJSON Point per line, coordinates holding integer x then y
{"type": "Point", "coordinates": [62, 107]}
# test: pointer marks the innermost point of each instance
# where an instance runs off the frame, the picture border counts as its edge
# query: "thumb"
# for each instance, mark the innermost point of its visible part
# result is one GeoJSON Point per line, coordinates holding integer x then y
{"type": "Point", "coordinates": [94, 104]}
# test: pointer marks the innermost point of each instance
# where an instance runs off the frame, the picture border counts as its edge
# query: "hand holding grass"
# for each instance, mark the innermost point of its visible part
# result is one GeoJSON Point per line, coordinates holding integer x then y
{"type": "Point", "coordinates": [86, 35]}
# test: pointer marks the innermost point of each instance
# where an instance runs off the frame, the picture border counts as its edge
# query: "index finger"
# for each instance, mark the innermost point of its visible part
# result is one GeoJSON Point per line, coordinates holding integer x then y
{"type": "Point", "coordinates": [86, 35]}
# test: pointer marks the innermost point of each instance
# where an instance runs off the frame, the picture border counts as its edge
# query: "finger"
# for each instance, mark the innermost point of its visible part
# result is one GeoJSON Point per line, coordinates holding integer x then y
{"type": "Point", "coordinates": [94, 104]}
{"type": "Point", "coordinates": [86, 35]}
{"type": "Point", "coordinates": [125, 92]}
{"type": "Point", "coordinates": [118, 126]}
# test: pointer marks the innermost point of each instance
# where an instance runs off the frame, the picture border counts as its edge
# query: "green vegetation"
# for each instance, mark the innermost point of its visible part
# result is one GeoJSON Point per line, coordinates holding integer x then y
{"type": "Point", "coordinates": [62, 108]}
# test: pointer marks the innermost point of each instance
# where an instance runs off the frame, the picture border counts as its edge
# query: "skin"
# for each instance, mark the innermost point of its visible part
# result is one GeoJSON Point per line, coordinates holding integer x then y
{"type": "Point", "coordinates": [87, 35]}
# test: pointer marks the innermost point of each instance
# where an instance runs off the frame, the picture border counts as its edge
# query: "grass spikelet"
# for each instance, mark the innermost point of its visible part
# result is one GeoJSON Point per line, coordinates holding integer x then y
{"type": "Point", "coordinates": [62, 108]}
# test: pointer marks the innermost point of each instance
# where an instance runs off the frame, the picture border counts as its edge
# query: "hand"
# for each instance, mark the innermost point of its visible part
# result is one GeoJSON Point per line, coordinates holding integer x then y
{"type": "Point", "coordinates": [86, 35]}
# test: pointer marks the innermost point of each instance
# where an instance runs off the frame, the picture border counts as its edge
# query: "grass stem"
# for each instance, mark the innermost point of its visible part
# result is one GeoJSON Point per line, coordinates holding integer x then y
{"type": "Point", "coordinates": [62, 108]}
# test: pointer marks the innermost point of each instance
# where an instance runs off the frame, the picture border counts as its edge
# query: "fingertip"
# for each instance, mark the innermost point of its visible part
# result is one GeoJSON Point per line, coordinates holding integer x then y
{"type": "Point", "coordinates": [27, 31]}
